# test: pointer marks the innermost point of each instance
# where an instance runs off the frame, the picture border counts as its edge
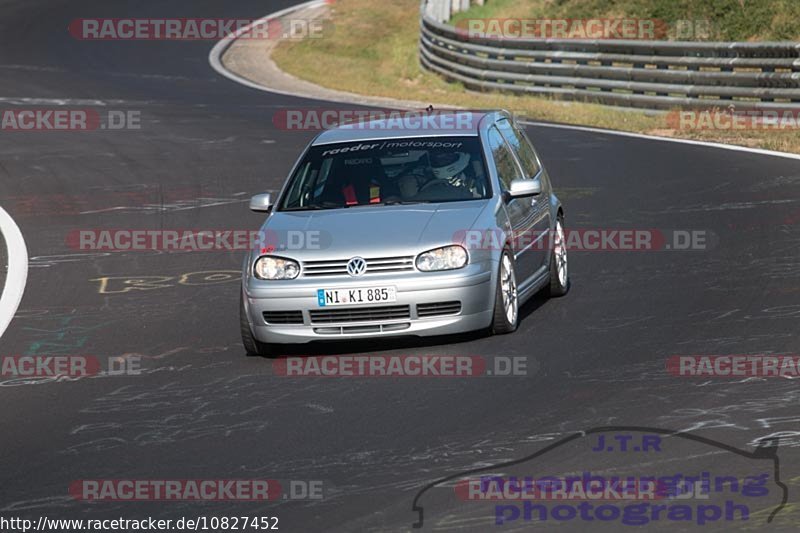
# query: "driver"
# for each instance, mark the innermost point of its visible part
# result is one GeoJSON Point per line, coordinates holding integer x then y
{"type": "Point", "coordinates": [450, 168]}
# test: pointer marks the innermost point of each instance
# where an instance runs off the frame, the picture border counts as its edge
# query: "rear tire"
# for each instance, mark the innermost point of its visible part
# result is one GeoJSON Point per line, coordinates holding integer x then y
{"type": "Point", "coordinates": [253, 346]}
{"type": "Point", "coordinates": [559, 266]}
{"type": "Point", "coordinates": [506, 301]}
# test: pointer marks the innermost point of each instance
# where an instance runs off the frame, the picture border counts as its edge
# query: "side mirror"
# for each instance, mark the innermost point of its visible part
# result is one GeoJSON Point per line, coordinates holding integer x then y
{"type": "Point", "coordinates": [522, 188]}
{"type": "Point", "coordinates": [261, 203]}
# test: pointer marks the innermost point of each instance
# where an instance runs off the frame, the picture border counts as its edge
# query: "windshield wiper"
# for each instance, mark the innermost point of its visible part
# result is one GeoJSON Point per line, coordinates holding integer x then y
{"type": "Point", "coordinates": [313, 207]}
{"type": "Point", "coordinates": [403, 202]}
{"type": "Point", "coordinates": [304, 208]}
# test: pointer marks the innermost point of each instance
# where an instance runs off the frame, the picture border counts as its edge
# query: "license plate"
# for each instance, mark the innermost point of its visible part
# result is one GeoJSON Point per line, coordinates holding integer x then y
{"type": "Point", "coordinates": [356, 296]}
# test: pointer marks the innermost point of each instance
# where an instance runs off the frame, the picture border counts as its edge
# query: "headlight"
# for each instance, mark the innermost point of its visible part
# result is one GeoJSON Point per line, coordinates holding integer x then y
{"type": "Point", "coordinates": [276, 268]}
{"type": "Point", "coordinates": [447, 258]}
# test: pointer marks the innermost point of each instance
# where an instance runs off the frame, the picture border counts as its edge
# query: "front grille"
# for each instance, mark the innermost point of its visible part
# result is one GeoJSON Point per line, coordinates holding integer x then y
{"type": "Point", "coordinates": [350, 330]}
{"type": "Point", "coordinates": [438, 309]}
{"type": "Point", "coordinates": [283, 317]}
{"type": "Point", "coordinates": [376, 265]}
{"type": "Point", "coordinates": [360, 314]}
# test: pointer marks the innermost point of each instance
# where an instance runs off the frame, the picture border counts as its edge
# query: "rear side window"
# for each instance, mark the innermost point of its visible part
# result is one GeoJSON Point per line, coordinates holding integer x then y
{"type": "Point", "coordinates": [521, 146]}
{"type": "Point", "coordinates": [507, 168]}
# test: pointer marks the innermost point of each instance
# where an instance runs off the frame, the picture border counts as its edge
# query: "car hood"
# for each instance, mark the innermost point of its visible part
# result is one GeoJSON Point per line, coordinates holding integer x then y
{"type": "Point", "coordinates": [379, 231]}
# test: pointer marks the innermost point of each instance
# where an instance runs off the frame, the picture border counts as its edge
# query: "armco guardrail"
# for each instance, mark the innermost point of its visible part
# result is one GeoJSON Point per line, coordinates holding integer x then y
{"type": "Point", "coordinates": [634, 73]}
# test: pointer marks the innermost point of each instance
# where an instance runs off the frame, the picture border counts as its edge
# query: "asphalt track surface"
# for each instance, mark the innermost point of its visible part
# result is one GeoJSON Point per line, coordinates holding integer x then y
{"type": "Point", "coordinates": [202, 409]}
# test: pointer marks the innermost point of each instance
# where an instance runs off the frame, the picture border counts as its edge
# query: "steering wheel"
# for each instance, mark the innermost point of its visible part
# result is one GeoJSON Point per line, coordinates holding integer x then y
{"type": "Point", "coordinates": [436, 184]}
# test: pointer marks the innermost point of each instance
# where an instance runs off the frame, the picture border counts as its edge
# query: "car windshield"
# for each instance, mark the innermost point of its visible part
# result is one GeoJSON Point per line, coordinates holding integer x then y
{"type": "Point", "coordinates": [387, 172]}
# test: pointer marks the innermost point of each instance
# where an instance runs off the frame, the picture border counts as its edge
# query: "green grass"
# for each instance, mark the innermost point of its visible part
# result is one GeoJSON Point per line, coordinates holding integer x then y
{"type": "Point", "coordinates": [373, 50]}
{"type": "Point", "coordinates": [730, 20]}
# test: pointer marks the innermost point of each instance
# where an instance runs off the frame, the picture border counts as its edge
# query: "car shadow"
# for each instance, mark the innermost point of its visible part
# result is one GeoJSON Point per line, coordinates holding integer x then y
{"type": "Point", "coordinates": [537, 301]}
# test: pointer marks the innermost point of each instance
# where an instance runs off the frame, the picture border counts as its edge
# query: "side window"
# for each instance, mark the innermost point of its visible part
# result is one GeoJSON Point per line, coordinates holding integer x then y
{"type": "Point", "coordinates": [507, 168]}
{"type": "Point", "coordinates": [309, 184]}
{"type": "Point", "coordinates": [294, 197]}
{"type": "Point", "coordinates": [521, 146]}
{"type": "Point", "coordinates": [319, 183]}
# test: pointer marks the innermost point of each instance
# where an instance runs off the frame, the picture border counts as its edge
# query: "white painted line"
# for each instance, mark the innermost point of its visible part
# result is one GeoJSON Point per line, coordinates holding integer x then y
{"type": "Point", "coordinates": [59, 101]}
{"type": "Point", "coordinates": [663, 139]}
{"type": "Point", "coordinates": [216, 53]}
{"type": "Point", "coordinates": [17, 274]}
{"type": "Point", "coordinates": [215, 59]}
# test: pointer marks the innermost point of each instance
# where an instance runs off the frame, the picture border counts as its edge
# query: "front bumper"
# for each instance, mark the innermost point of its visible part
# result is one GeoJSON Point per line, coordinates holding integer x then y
{"type": "Point", "coordinates": [473, 287]}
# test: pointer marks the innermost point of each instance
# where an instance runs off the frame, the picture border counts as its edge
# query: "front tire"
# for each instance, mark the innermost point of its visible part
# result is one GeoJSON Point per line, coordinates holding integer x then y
{"type": "Point", "coordinates": [252, 346]}
{"type": "Point", "coordinates": [506, 301]}
{"type": "Point", "coordinates": [559, 266]}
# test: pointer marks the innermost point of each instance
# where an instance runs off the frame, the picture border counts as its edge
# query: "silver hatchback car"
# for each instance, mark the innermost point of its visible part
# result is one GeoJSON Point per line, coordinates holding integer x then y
{"type": "Point", "coordinates": [389, 230]}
